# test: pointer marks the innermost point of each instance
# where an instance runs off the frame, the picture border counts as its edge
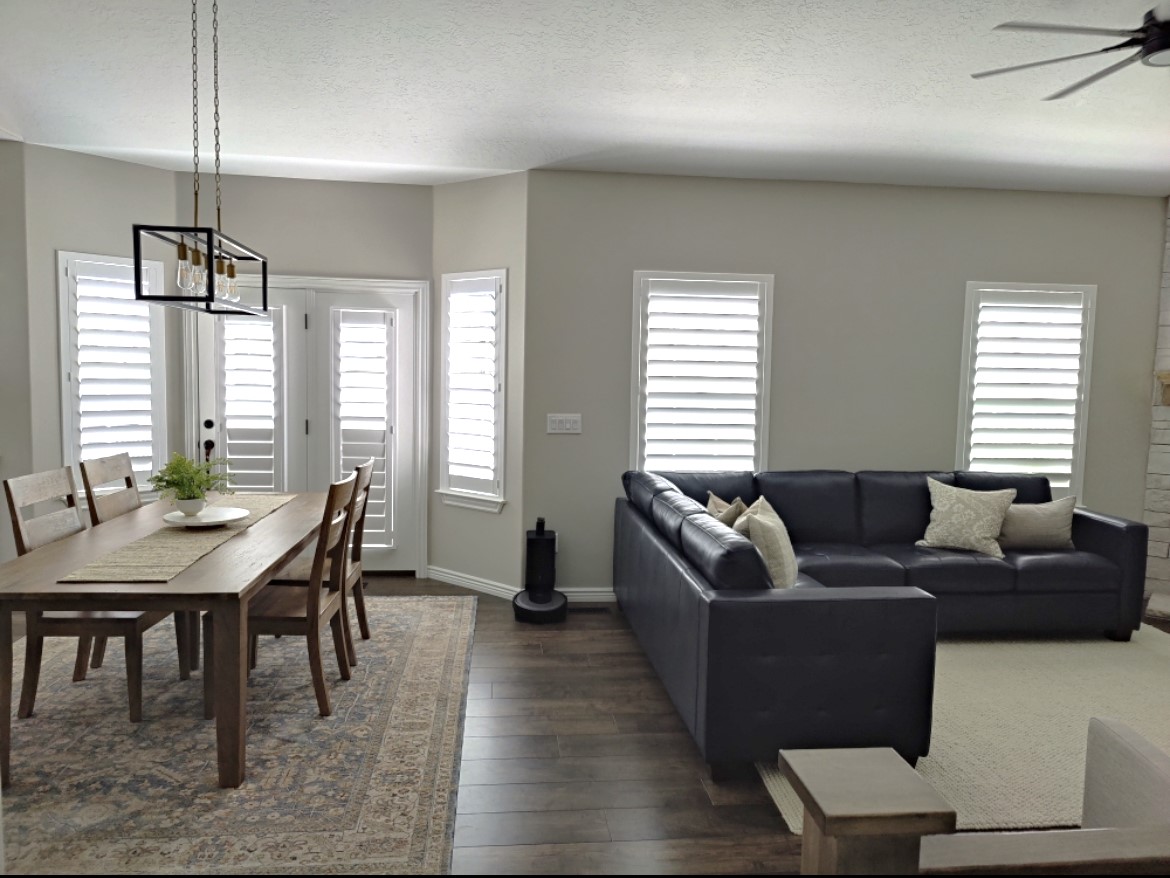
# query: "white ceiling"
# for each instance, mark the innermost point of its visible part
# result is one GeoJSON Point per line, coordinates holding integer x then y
{"type": "Point", "coordinates": [428, 91]}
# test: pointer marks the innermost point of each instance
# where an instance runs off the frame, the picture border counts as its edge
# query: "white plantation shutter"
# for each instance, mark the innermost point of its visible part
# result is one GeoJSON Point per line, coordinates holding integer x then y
{"type": "Point", "coordinates": [473, 385]}
{"type": "Point", "coordinates": [701, 349]}
{"type": "Point", "coordinates": [114, 394]}
{"type": "Point", "coordinates": [363, 413]}
{"type": "Point", "coordinates": [1026, 381]}
{"type": "Point", "coordinates": [250, 361]}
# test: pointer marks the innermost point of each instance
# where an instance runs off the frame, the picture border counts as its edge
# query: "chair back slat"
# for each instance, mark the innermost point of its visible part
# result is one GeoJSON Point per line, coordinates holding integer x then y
{"type": "Point", "coordinates": [331, 543]}
{"type": "Point", "coordinates": [25, 491]}
{"type": "Point", "coordinates": [365, 477]}
{"type": "Point", "coordinates": [111, 504]}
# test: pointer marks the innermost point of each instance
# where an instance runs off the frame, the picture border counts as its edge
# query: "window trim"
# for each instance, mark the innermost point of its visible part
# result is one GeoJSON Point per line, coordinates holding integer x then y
{"type": "Point", "coordinates": [67, 262]}
{"type": "Point", "coordinates": [967, 375]}
{"type": "Point", "coordinates": [481, 501]}
{"type": "Point", "coordinates": [642, 280]}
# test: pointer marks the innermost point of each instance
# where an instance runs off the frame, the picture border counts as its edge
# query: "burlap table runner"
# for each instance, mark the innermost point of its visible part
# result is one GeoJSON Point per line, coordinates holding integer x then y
{"type": "Point", "coordinates": [164, 554]}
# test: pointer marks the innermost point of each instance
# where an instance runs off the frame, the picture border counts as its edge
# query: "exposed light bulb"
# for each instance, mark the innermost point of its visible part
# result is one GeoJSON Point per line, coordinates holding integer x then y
{"type": "Point", "coordinates": [198, 274]}
{"type": "Point", "coordinates": [221, 287]}
{"type": "Point", "coordinates": [183, 278]}
{"type": "Point", "coordinates": [232, 286]}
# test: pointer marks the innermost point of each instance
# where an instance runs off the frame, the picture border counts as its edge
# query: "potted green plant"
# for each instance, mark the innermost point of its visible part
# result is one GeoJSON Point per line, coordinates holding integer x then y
{"type": "Point", "coordinates": [188, 482]}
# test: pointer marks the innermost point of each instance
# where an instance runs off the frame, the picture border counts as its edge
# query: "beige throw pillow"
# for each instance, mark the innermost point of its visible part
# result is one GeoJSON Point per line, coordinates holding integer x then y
{"type": "Point", "coordinates": [962, 519]}
{"type": "Point", "coordinates": [727, 513]}
{"type": "Point", "coordinates": [763, 527]}
{"type": "Point", "coordinates": [1039, 525]}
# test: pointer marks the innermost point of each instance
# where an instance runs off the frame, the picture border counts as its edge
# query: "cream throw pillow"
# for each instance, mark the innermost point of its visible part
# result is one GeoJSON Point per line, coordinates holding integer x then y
{"type": "Point", "coordinates": [763, 527]}
{"type": "Point", "coordinates": [1039, 525]}
{"type": "Point", "coordinates": [962, 519]}
{"type": "Point", "coordinates": [727, 513]}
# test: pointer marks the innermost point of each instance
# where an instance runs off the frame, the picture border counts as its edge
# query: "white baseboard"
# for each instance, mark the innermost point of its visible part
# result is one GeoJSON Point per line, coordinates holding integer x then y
{"type": "Point", "coordinates": [502, 590]}
{"type": "Point", "coordinates": [475, 583]}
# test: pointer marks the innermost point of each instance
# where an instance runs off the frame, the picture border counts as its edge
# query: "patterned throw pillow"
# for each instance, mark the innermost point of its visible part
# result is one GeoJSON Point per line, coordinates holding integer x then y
{"type": "Point", "coordinates": [1039, 525]}
{"type": "Point", "coordinates": [763, 527]}
{"type": "Point", "coordinates": [727, 513]}
{"type": "Point", "coordinates": [962, 519]}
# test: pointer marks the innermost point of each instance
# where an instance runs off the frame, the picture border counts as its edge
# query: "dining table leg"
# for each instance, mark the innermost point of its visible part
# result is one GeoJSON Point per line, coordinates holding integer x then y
{"type": "Point", "coordinates": [5, 695]}
{"type": "Point", "coordinates": [229, 621]}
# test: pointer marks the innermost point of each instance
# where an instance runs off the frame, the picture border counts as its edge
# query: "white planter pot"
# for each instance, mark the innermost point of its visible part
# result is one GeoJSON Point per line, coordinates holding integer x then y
{"type": "Point", "coordinates": [191, 507]}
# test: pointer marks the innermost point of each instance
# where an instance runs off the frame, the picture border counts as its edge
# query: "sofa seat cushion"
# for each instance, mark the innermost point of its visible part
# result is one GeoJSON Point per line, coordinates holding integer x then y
{"type": "Point", "coordinates": [951, 571]}
{"type": "Point", "coordinates": [1056, 570]}
{"type": "Point", "coordinates": [845, 565]}
{"type": "Point", "coordinates": [803, 580]}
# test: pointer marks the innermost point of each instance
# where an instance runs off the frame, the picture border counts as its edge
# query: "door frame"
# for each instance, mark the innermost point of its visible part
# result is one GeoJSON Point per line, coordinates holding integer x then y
{"type": "Point", "coordinates": [420, 291]}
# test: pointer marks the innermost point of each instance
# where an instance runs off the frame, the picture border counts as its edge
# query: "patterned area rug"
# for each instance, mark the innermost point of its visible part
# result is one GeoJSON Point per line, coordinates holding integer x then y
{"type": "Point", "coordinates": [1011, 719]}
{"type": "Point", "coordinates": [370, 789]}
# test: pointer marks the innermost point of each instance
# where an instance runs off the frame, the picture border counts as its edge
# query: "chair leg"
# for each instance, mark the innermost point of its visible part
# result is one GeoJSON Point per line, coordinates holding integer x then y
{"type": "Point", "coordinates": [318, 671]}
{"type": "Point", "coordinates": [208, 670]}
{"type": "Point", "coordinates": [134, 675]}
{"type": "Point", "coordinates": [253, 651]}
{"type": "Point", "coordinates": [350, 652]}
{"type": "Point", "coordinates": [81, 665]}
{"type": "Point", "coordinates": [359, 602]}
{"type": "Point", "coordinates": [193, 641]}
{"type": "Point", "coordinates": [183, 647]}
{"type": "Point", "coordinates": [99, 652]}
{"type": "Point", "coordinates": [32, 674]}
{"type": "Point", "coordinates": [341, 643]}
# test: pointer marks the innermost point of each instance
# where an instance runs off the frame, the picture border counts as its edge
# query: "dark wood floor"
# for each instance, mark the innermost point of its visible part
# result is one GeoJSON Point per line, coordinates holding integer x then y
{"type": "Point", "coordinates": [575, 761]}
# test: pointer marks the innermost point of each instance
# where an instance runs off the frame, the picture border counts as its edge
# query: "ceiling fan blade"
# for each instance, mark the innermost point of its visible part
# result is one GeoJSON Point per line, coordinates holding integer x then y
{"type": "Point", "coordinates": [1066, 29]}
{"type": "Point", "coordinates": [1089, 80]}
{"type": "Point", "coordinates": [1032, 64]}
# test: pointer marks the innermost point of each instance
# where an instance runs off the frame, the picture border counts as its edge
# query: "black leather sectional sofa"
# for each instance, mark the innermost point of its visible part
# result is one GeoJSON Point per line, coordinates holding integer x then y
{"type": "Point", "coordinates": [845, 658]}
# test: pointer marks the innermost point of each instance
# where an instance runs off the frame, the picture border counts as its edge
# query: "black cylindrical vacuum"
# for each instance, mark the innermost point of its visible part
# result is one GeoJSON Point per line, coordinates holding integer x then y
{"type": "Point", "coordinates": [540, 602]}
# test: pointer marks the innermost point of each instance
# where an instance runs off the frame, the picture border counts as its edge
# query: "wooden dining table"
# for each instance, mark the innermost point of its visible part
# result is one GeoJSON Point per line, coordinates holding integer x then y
{"type": "Point", "coordinates": [221, 583]}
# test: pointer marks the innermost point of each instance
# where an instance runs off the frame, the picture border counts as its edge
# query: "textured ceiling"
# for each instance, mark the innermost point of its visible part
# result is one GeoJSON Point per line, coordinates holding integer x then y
{"type": "Point", "coordinates": [427, 91]}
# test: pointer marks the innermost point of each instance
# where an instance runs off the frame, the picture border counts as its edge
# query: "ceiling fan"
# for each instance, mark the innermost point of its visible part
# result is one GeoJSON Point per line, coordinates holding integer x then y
{"type": "Point", "coordinates": [1152, 41]}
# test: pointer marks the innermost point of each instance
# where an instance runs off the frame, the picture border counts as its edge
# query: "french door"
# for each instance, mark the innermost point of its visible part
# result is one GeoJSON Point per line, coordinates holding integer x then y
{"type": "Point", "coordinates": [329, 380]}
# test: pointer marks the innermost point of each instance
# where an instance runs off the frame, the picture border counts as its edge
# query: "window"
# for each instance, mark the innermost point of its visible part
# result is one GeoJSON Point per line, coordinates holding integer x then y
{"type": "Point", "coordinates": [472, 452]}
{"type": "Point", "coordinates": [701, 371]}
{"type": "Point", "coordinates": [1026, 381]}
{"type": "Point", "coordinates": [113, 394]}
{"type": "Point", "coordinates": [250, 359]}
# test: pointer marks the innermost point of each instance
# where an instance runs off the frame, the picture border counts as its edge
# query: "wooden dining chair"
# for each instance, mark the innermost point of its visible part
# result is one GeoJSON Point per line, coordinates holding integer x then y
{"type": "Point", "coordinates": [106, 503]}
{"type": "Point", "coordinates": [300, 570]}
{"type": "Point", "coordinates": [33, 533]}
{"type": "Point", "coordinates": [279, 610]}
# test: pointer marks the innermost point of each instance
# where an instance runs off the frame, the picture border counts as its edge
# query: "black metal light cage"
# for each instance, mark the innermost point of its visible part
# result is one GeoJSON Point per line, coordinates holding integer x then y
{"type": "Point", "coordinates": [215, 245]}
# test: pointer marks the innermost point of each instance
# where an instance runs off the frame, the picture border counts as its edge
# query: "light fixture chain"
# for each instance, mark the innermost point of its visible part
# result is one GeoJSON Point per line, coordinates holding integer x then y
{"type": "Point", "coordinates": [215, 94]}
{"type": "Point", "coordinates": [195, 99]}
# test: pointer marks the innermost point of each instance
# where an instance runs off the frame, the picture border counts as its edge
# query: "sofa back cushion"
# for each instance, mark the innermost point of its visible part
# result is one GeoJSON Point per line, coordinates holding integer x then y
{"type": "Point", "coordinates": [723, 557]}
{"type": "Point", "coordinates": [817, 506]}
{"type": "Point", "coordinates": [895, 506]}
{"type": "Point", "coordinates": [641, 488]}
{"type": "Point", "coordinates": [667, 511]}
{"type": "Point", "coordinates": [726, 486]}
{"type": "Point", "coordinates": [1029, 489]}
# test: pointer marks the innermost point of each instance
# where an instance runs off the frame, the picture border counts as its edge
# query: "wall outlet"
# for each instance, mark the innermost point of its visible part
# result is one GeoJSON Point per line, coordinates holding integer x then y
{"type": "Point", "coordinates": [564, 423]}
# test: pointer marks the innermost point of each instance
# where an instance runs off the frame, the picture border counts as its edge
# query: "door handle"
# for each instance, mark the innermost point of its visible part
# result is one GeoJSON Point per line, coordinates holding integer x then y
{"type": "Point", "coordinates": [208, 447]}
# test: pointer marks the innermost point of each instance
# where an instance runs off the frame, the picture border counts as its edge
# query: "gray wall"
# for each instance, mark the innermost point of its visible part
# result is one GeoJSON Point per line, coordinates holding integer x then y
{"type": "Point", "coordinates": [319, 228]}
{"type": "Point", "coordinates": [84, 204]}
{"type": "Point", "coordinates": [478, 226]}
{"type": "Point", "coordinates": [867, 327]}
{"type": "Point", "coordinates": [15, 404]}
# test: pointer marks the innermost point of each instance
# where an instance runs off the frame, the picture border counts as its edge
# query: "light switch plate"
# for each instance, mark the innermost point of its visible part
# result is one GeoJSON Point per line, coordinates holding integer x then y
{"type": "Point", "coordinates": [564, 423]}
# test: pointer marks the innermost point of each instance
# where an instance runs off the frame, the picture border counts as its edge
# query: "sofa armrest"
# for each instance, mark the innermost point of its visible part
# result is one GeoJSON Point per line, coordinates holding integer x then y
{"type": "Point", "coordinates": [800, 668]}
{"type": "Point", "coordinates": [1124, 542]}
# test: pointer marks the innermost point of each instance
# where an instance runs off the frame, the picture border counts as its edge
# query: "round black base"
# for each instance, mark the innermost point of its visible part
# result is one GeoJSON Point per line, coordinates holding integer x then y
{"type": "Point", "coordinates": [528, 611]}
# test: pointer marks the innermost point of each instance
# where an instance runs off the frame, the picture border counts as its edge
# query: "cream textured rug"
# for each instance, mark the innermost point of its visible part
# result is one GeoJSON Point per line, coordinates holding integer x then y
{"type": "Point", "coordinates": [370, 789]}
{"type": "Point", "coordinates": [164, 554]}
{"type": "Point", "coordinates": [1010, 721]}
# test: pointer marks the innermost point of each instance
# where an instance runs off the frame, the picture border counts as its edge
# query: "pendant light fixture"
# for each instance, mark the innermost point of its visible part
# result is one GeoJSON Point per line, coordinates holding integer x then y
{"type": "Point", "coordinates": [206, 278]}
